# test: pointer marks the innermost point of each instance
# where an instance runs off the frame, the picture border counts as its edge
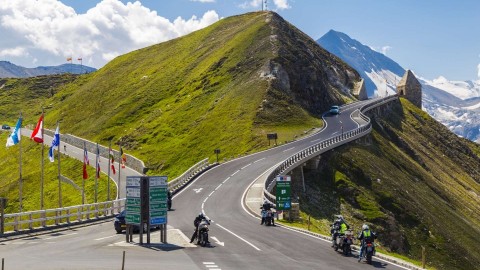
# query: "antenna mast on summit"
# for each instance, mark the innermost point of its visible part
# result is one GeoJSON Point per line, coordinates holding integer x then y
{"type": "Point", "coordinates": [264, 5]}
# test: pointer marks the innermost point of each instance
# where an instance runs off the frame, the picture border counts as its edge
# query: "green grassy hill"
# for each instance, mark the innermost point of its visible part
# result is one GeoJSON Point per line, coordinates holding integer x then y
{"type": "Point", "coordinates": [414, 181]}
{"type": "Point", "coordinates": [224, 87]}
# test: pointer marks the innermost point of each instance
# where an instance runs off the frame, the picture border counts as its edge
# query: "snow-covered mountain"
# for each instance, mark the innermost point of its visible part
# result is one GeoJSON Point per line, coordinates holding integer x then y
{"type": "Point", "coordinates": [454, 104]}
{"type": "Point", "coordinates": [9, 70]}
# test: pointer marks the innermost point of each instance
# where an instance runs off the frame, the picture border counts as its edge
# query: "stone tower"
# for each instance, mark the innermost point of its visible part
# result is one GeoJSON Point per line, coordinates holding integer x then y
{"type": "Point", "coordinates": [361, 91]}
{"type": "Point", "coordinates": [410, 88]}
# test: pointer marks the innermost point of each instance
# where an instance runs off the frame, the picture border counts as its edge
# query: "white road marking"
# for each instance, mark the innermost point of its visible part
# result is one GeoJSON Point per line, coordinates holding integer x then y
{"type": "Point", "coordinates": [54, 237]}
{"type": "Point", "coordinates": [217, 241]}
{"type": "Point", "coordinates": [208, 263]}
{"type": "Point", "coordinates": [211, 193]}
{"type": "Point", "coordinates": [98, 239]}
{"type": "Point", "coordinates": [258, 160]}
{"type": "Point", "coordinates": [316, 140]}
{"type": "Point", "coordinates": [245, 166]}
{"type": "Point", "coordinates": [228, 178]}
{"type": "Point", "coordinates": [239, 237]}
{"type": "Point", "coordinates": [197, 190]}
{"type": "Point", "coordinates": [288, 149]}
{"type": "Point", "coordinates": [219, 186]}
{"type": "Point", "coordinates": [235, 172]}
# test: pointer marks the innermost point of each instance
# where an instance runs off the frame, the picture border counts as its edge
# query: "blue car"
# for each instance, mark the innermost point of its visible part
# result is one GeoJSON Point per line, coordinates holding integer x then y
{"type": "Point", "coordinates": [335, 110]}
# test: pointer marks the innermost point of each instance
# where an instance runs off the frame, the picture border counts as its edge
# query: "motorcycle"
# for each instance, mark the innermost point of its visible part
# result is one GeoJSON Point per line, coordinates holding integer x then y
{"type": "Point", "coordinates": [369, 251]}
{"type": "Point", "coordinates": [344, 243]}
{"type": "Point", "coordinates": [267, 217]}
{"type": "Point", "coordinates": [203, 233]}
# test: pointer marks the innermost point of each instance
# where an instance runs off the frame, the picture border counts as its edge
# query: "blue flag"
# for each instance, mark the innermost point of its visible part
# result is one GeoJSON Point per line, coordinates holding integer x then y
{"type": "Point", "coordinates": [55, 143]}
{"type": "Point", "coordinates": [14, 138]}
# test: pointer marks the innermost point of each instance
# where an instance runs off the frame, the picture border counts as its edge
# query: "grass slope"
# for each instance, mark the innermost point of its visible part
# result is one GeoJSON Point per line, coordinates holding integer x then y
{"type": "Point", "coordinates": [173, 103]}
{"type": "Point", "coordinates": [31, 171]}
{"type": "Point", "coordinates": [416, 183]}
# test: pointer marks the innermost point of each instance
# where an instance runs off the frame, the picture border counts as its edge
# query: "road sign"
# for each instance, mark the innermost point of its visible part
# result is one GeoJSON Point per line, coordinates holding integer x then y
{"type": "Point", "coordinates": [283, 193]}
{"type": "Point", "coordinates": [158, 200]}
{"type": "Point", "coordinates": [133, 202]}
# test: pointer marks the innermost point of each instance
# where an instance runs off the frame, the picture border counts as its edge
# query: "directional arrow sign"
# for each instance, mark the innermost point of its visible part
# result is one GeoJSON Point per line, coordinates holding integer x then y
{"type": "Point", "coordinates": [197, 190]}
{"type": "Point", "coordinates": [218, 242]}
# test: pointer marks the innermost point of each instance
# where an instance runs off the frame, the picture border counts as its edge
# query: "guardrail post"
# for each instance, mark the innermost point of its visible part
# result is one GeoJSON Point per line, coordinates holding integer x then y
{"type": "Point", "coordinates": [79, 213]}
{"type": "Point", "coordinates": [56, 217]}
{"type": "Point", "coordinates": [30, 225]}
{"type": "Point", "coordinates": [68, 215]}
{"type": "Point", "coordinates": [15, 226]}
{"type": "Point", "coordinates": [43, 216]}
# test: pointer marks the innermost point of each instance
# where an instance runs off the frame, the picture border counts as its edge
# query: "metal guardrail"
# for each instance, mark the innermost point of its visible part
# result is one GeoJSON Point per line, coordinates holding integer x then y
{"type": "Point", "coordinates": [179, 182]}
{"type": "Point", "coordinates": [50, 218]}
{"type": "Point", "coordinates": [321, 147]}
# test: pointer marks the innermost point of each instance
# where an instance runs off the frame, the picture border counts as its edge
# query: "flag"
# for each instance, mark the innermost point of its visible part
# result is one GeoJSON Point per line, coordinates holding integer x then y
{"type": "Point", "coordinates": [85, 163]}
{"type": "Point", "coordinates": [69, 59]}
{"type": "Point", "coordinates": [98, 162]}
{"type": "Point", "coordinates": [55, 143]}
{"type": "Point", "coordinates": [79, 59]}
{"type": "Point", "coordinates": [37, 134]}
{"type": "Point", "coordinates": [123, 158]}
{"type": "Point", "coordinates": [112, 160]}
{"type": "Point", "coordinates": [14, 138]}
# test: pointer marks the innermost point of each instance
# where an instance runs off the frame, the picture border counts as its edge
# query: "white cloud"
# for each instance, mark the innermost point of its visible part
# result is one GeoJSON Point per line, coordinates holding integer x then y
{"type": "Point", "coordinates": [50, 31]}
{"type": "Point", "coordinates": [17, 51]}
{"type": "Point", "coordinates": [385, 49]}
{"type": "Point", "coordinates": [204, 1]}
{"type": "Point", "coordinates": [279, 4]}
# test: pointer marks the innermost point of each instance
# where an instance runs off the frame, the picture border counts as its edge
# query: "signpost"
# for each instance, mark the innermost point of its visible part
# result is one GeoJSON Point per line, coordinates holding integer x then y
{"type": "Point", "coordinates": [283, 193]}
{"type": "Point", "coordinates": [146, 205]}
{"type": "Point", "coordinates": [272, 136]}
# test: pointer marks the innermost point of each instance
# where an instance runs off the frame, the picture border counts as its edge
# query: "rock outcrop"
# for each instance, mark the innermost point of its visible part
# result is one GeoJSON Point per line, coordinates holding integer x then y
{"type": "Point", "coordinates": [411, 88]}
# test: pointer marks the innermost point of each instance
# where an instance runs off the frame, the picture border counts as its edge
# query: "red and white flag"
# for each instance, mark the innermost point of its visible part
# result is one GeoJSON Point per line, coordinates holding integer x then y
{"type": "Point", "coordinates": [85, 163]}
{"type": "Point", "coordinates": [112, 160]}
{"type": "Point", "coordinates": [37, 134]}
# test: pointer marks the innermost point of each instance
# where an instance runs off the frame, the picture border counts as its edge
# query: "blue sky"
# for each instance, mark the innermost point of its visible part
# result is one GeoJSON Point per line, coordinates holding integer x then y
{"type": "Point", "coordinates": [433, 38]}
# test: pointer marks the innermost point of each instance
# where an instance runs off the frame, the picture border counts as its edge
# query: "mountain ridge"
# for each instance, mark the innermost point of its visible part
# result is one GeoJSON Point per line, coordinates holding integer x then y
{"type": "Point", "coordinates": [10, 70]}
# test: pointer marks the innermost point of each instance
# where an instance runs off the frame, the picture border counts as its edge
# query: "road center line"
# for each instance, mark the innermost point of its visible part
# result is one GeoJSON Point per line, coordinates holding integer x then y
{"type": "Point", "coordinates": [219, 186]}
{"type": "Point", "coordinates": [235, 172]}
{"type": "Point", "coordinates": [54, 237]}
{"type": "Point", "coordinates": [245, 166]}
{"type": "Point", "coordinates": [228, 178]}
{"type": "Point", "coordinates": [288, 149]}
{"type": "Point", "coordinates": [211, 193]}
{"type": "Point", "coordinates": [98, 239]}
{"type": "Point", "coordinates": [258, 160]}
{"type": "Point", "coordinates": [234, 234]}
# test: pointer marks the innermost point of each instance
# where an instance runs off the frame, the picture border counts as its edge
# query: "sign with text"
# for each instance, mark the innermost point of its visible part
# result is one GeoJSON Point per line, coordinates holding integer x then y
{"type": "Point", "coordinates": [283, 193]}
{"type": "Point", "coordinates": [133, 202]}
{"type": "Point", "coordinates": [158, 190]}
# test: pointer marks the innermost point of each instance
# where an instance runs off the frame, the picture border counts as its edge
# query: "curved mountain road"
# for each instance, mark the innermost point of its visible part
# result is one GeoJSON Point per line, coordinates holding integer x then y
{"type": "Point", "coordinates": [238, 240]}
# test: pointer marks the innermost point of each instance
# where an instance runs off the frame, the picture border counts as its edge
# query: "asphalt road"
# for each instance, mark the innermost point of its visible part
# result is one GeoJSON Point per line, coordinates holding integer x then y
{"type": "Point", "coordinates": [238, 240]}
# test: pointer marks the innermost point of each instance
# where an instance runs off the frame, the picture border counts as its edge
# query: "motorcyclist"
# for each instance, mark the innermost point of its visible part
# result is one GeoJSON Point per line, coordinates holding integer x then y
{"type": "Point", "coordinates": [196, 222]}
{"type": "Point", "coordinates": [365, 236]}
{"type": "Point", "coordinates": [169, 199]}
{"type": "Point", "coordinates": [339, 227]}
{"type": "Point", "coordinates": [265, 207]}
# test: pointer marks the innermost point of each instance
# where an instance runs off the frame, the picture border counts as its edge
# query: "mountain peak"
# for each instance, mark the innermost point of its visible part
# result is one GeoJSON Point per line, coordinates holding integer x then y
{"type": "Point", "coordinates": [356, 54]}
{"type": "Point", "coordinates": [10, 70]}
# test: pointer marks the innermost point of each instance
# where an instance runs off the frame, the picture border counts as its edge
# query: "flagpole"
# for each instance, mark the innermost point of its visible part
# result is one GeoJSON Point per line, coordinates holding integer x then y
{"type": "Point", "coordinates": [59, 176]}
{"type": "Point", "coordinates": [108, 178]}
{"type": "Point", "coordinates": [96, 175]}
{"type": "Point", "coordinates": [83, 179]}
{"type": "Point", "coordinates": [20, 185]}
{"type": "Point", "coordinates": [42, 164]}
{"type": "Point", "coordinates": [119, 172]}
